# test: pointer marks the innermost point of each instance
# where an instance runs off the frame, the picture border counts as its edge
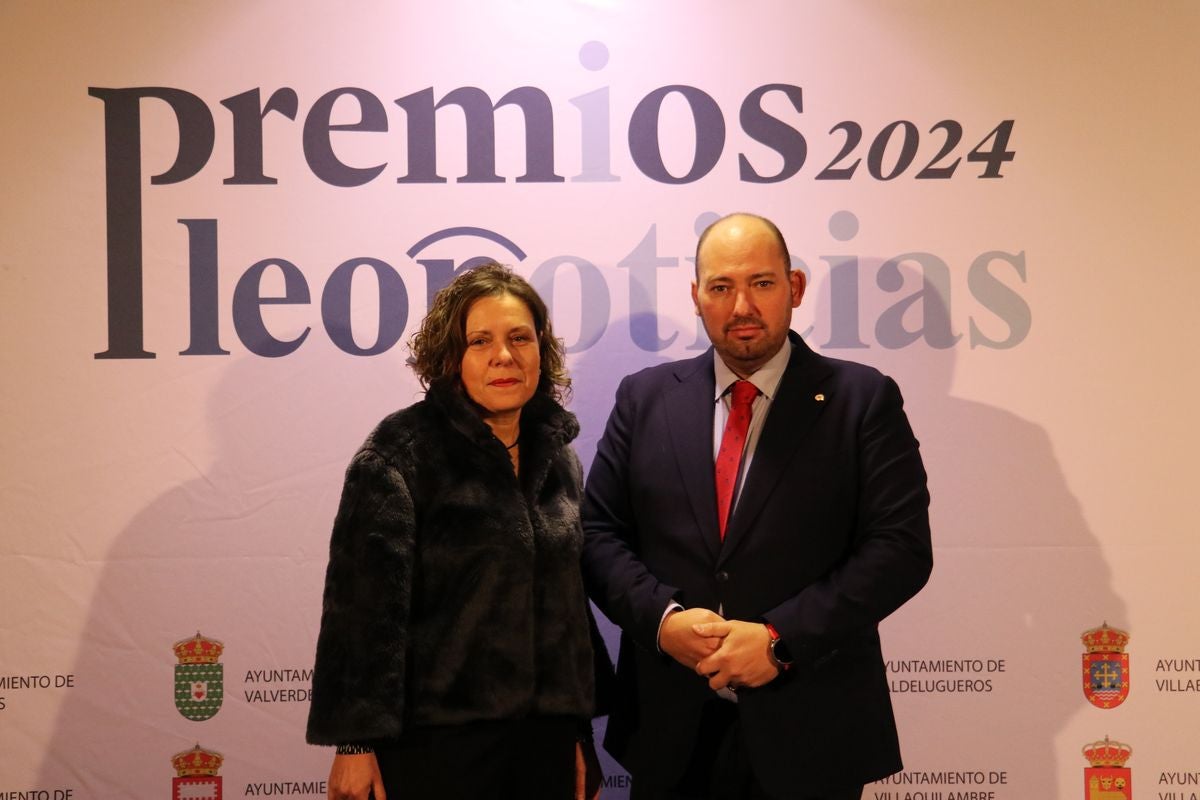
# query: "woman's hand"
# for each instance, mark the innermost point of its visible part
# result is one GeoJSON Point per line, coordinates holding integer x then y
{"type": "Point", "coordinates": [581, 776]}
{"type": "Point", "coordinates": [354, 777]}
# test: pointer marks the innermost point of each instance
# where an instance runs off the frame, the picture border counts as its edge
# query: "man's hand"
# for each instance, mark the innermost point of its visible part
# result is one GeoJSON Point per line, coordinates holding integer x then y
{"type": "Point", "coordinates": [678, 637]}
{"type": "Point", "coordinates": [741, 660]}
{"type": "Point", "coordinates": [354, 777]}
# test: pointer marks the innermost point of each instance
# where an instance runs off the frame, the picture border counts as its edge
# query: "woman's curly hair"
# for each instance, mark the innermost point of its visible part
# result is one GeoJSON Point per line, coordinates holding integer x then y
{"type": "Point", "coordinates": [438, 346]}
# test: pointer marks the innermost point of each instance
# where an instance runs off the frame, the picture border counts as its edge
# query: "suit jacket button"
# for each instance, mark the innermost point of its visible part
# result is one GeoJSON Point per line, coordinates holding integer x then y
{"type": "Point", "coordinates": [722, 576]}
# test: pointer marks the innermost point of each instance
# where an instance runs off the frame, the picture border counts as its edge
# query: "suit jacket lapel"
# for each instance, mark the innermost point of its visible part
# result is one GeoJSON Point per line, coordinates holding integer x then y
{"type": "Point", "coordinates": [689, 411]}
{"type": "Point", "coordinates": [792, 413]}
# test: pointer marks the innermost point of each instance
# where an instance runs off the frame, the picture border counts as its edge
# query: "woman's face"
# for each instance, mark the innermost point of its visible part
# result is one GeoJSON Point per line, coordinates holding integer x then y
{"type": "Point", "coordinates": [502, 362]}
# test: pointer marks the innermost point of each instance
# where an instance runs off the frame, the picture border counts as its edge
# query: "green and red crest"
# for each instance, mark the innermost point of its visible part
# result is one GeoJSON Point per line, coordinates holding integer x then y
{"type": "Point", "coordinates": [199, 678]}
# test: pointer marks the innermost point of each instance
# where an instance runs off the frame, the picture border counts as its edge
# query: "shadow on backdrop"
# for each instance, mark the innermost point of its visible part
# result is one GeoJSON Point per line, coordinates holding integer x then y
{"type": "Point", "coordinates": [1018, 575]}
{"type": "Point", "coordinates": [237, 553]}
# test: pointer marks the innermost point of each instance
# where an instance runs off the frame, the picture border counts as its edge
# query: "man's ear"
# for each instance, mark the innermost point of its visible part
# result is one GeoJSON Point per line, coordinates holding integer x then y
{"type": "Point", "coordinates": [796, 279]}
{"type": "Point", "coordinates": [695, 298]}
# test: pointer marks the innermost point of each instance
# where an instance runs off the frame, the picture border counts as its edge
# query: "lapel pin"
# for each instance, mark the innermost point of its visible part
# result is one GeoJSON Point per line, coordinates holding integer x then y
{"type": "Point", "coordinates": [820, 398]}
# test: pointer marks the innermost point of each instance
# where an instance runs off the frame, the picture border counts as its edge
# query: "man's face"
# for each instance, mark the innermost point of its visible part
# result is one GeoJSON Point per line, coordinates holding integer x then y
{"type": "Point", "coordinates": [745, 293]}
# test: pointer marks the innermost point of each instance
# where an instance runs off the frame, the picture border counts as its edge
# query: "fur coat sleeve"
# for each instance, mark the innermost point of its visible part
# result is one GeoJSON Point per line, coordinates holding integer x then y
{"type": "Point", "coordinates": [366, 603]}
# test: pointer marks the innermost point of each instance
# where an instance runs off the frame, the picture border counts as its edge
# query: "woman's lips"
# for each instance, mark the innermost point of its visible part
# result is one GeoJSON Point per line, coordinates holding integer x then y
{"type": "Point", "coordinates": [504, 383]}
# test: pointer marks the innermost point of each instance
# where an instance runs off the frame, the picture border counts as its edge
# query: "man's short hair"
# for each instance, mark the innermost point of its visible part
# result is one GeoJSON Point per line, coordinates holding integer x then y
{"type": "Point", "coordinates": [771, 226]}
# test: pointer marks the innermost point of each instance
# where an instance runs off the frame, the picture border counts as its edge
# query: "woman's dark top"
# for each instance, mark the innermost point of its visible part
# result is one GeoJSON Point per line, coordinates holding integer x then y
{"type": "Point", "coordinates": [453, 591]}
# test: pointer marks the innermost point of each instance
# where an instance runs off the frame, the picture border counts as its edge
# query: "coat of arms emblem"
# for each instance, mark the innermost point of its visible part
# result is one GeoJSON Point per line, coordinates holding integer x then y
{"type": "Point", "coordinates": [1105, 666]}
{"type": "Point", "coordinates": [1107, 778]}
{"type": "Point", "coordinates": [196, 775]}
{"type": "Point", "coordinates": [199, 677]}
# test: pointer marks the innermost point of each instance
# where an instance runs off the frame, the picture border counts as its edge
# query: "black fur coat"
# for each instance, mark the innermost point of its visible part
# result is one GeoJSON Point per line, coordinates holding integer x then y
{"type": "Point", "coordinates": [453, 591]}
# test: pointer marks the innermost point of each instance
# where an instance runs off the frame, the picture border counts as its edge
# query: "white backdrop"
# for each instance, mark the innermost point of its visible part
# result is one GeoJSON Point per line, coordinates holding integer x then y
{"type": "Point", "coordinates": [1040, 323]}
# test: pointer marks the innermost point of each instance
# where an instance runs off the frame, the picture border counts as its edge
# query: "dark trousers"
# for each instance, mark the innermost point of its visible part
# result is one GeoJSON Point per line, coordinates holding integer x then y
{"type": "Point", "coordinates": [506, 760]}
{"type": "Point", "coordinates": [719, 768]}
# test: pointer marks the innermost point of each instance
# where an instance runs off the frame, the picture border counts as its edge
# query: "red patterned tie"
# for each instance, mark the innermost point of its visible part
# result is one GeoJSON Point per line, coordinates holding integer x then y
{"type": "Point", "coordinates": [733, 442]}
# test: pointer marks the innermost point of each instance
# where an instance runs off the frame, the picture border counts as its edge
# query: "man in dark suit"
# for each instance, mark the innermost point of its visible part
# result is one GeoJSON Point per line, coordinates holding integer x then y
{"type": "Point", "coordinates": [750, 517]}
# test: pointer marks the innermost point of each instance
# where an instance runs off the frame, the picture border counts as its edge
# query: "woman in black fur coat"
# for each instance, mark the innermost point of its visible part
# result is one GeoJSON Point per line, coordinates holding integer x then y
{"type": "Point", "coordinates": [454, 658]}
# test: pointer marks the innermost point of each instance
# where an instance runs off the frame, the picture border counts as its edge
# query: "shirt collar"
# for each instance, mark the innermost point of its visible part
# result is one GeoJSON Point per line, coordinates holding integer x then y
{"type": "Point", "coordinates": [766, 378]}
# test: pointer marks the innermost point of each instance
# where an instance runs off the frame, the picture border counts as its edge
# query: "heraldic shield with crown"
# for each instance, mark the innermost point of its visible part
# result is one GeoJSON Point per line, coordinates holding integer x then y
{"type": "Point", "coordinates": [196, 775]}
{"type": "Point", "coordinates": [1107, 778]}
{"type": "Point", "coordinates": [1105, 666]}
{"type": "Point", "coordinates": [199, 678]}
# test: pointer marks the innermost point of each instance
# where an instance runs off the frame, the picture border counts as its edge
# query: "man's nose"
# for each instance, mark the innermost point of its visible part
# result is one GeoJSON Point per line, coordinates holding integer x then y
{"type": "Point", "coordinates": [743, 305]}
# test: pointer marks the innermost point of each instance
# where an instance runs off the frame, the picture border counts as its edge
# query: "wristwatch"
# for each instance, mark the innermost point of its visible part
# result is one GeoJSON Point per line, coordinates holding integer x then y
{"type": "Point", "coordinates": [777, 650]}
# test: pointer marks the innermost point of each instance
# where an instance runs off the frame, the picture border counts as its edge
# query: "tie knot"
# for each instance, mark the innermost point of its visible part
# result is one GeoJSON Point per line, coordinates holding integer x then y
{"type": "Point", "coordinates": [744, 393]}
